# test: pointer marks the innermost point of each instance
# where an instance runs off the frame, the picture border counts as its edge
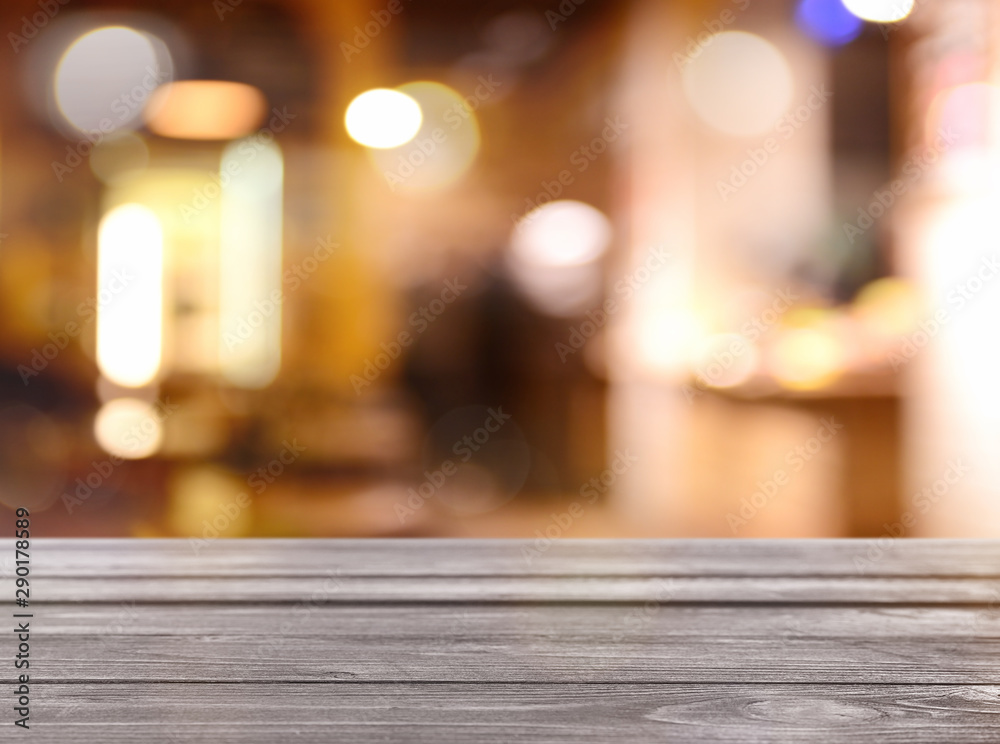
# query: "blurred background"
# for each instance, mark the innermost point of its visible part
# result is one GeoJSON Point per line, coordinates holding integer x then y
{"type": "Point", "coordinates": [538, 268]}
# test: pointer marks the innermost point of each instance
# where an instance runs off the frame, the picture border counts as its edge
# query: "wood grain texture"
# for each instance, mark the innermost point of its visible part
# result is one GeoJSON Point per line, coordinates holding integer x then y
{"type": "Point", "coordinates": [502, 557]}
{"type": "Point", "coordinates": [469, 640]}
{"type": "Point", "coordinates": [252, 712]}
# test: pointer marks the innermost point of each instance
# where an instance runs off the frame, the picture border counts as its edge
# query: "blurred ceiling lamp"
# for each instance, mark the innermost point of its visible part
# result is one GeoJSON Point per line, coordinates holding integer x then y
{"type": "Point", "coordinates": [129, 428]}
{"type": "Point", "coordinates": [561, 233]}
{"type": "Point", "coordinates": [740, 84]}
{"type": "Point", "coordinates": [444, 147]}
{"type": "Point", "coordinates": [130, 295]}
{"type": "Point", "coordinates": [105, 78]}
{"type": "Point", "coordinates": [880, 11]}
{"type": "Point", "coordinates": [553, 256]}
{"type": "Point", "coordinates": [205, 110]}
{"type": "Point", "coordinates": [828, 21]}
{"type": "Point", "coordinates": [807, 358]}
{"type": "Point", "coordinates": [250, 294]}
{"type": "Point", "coordinates": [383, 118]}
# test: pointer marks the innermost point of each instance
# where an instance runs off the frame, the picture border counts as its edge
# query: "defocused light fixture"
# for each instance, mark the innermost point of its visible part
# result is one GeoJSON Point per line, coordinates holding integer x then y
{"type": "Point", "coordinates": [105, 78]}
{"type": "Point", "coordinates": [828, 21]}
{"type": "Point", "coordinates": [740, 84]}
{"type": "Point", "coordinates": [205, 109]}
{"type": "Point", "coordinates": [724, 360]}
{"type": "Point", "coordinates": [880, 11]}
{"type": "Point", "coordinates": [561, 233]}
{"type": "Point", "coordinates": [553, 256]}
{"type": "Point", "coordinates": [383, 118]}
{"type": "Point", "coordinates": [250, 295]}
{"type": "Point", "coordinates": [129, 295]}
{"type": "Point", "coordinates": [128, 428]}
{"type": "Point", "coordinates": [445, 144]}
{"type": "Point", "coordinates": [807, 358]}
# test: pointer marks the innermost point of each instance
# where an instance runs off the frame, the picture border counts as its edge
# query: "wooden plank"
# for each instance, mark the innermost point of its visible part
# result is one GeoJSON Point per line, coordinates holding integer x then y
{"type": "Point", "coordinates": [476, 590]}
{"type": "Point", "coordinates": [567, 644]}
{"type": "Point", "coordinates": [450, 557]}
{"type": "Point", "coordinates": [249, 713]}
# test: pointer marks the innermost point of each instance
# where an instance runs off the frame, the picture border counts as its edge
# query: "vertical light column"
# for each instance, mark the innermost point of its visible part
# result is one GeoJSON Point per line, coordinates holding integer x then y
{"type": "Point", "coordinates": [130, 295]}
{"type": "Point", "coordinates": [949, 242]}
{"type": "Point", "coordinates": [250, 294]}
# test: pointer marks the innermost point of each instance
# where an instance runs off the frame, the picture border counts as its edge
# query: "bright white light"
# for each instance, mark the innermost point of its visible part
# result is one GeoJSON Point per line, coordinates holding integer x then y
{"type": "Point", "coordinates": [740, 84]}
{"type": "Point", "coordinates": [106, 76]}
{"type": "Point", "coordinates": [129, 295]}
{"type": "Point", "coordinates": [383, 118]}
{"type": "Point", "coordinates": [666, 338]}
{"type": "Point", "coordinates": [553, 258]}
{"type": "Point", "coordinates": [250, 263]}
{"type": "Point", "coordinates": [129, 428]}
{"type": "Point", "coordinates": [880, 11]}
{"type": "Point", "coordinates": [561, 233]}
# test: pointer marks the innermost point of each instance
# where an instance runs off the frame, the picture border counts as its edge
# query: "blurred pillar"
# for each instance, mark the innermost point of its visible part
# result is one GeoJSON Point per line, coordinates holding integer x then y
{"type": "Point", "coordinates": [948, 240]}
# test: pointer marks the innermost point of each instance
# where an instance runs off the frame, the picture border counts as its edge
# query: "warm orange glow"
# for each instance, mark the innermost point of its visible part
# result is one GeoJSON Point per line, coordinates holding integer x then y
{"type": "Point", "coordinates": [205, 110]}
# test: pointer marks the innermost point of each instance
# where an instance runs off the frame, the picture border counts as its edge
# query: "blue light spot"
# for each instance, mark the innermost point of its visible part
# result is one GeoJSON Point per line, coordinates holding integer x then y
{"type": "Point", "coordinates": [828, 21]}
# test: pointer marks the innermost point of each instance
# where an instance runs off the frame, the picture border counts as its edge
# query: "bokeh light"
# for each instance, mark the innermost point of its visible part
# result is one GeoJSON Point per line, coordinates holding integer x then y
{"type": "Point", "coordinates": [383, 118]}
{"type": "Point", "coordinates": [129, 428]}
{"type": "Point", "coordinates": [807, 358]}
{"type": "Point", "coordinates": [828, 21]}
{"type": "Point", "coordinates": [553, 256]}
{"type": "Point", "coordinates": [205, 109]}
{"type": "Point", "coordinates": [724, 360]}
{"type": "Point", "coordinates": [561, 233]}
{"type": "Point", "coordinates": [880, 11]}
{"type": "Point", "coordinates": [740, 84]}
{"type": "Point", "coordinates": [106, 77]}
{"type": "Point", "coordinates": [442, 150]}
{"type": "Point", "coordinates": [130, 295]}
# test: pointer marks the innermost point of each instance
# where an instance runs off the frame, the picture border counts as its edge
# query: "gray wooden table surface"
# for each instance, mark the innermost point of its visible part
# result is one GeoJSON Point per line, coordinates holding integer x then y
{"type": "Point", "coordinates": [486, 640]}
